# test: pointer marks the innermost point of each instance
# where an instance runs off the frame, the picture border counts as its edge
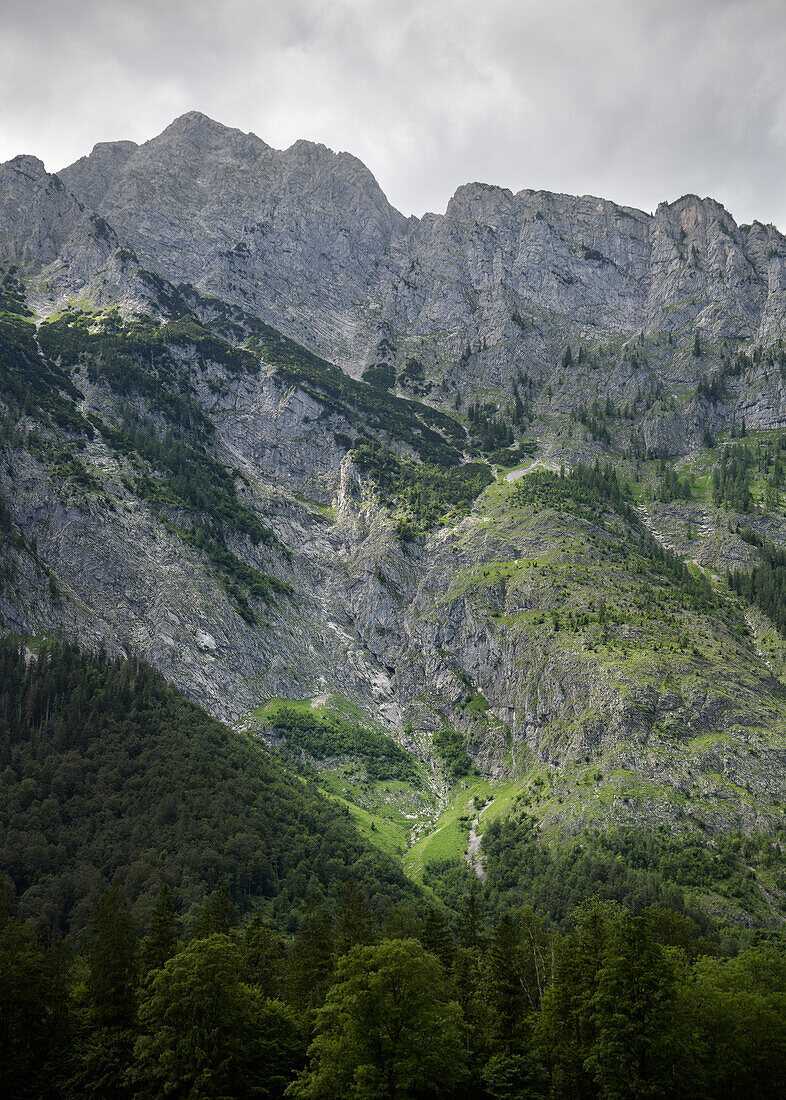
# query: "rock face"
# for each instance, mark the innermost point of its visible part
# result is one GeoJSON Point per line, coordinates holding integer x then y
{"type": "Point", "coordinates": [298, 236]}
{"type": "Point", "coordinates": [38, 215]}
{"type": "Point", "coordinates": [306, 238]}
{"type": "Point", "coordinates": [464, 628]}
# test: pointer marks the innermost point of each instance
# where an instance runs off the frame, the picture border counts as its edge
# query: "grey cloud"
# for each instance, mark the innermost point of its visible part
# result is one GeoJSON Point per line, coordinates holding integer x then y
{"type": "Point", "coordinates": [636, 101]}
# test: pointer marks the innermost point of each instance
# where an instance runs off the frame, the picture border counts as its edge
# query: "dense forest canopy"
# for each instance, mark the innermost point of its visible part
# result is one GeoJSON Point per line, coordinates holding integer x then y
{"type": "Point", "coordinates": [109, 775]}
{"type": "Point", "coordinates": [270, 951]}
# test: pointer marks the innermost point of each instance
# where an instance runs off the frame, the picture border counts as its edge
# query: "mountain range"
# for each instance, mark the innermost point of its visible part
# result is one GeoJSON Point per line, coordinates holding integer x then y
{"type": "Point", "coordinates": [502, 485]}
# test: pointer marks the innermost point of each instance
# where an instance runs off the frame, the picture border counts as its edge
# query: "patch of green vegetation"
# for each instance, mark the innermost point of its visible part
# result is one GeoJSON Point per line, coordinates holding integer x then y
{"type": "Point", "coordinates": [323, 734]}
{"type": "Point", "coordinates": [672, 486]}
{"type": "Point", "coordinates": [135, 358]}
{"type": "Point", "coordinates": [449, 746]}
{"type": "Point", "coordinates": [115, 346]}
{"type": "Point", "coordinates": [511, 457]}
{"type": "Point", "coordinates": [494, 428]}
{"type": "Point", "coordinates": [765, 584]}
{"type": "Point", "coordinates": [385, 812]}
{"type": "Point", "coordinates": [585, 491]}
{"type": "Point", "coordinates": [484, 576]}
{"type": "Point", "coordinates": [380, 375]}
{"type": "Point", "coordinates": [589, 492]}
{"type": "Point", "coordinates": [13, 299]}
{"type": "Point", "coordinates": [30, 382]}
{"type": "Point", "coordinates": [630, 865]}
{"type": "Point", "coordinates": [183, 474]}
{"type": "Point", "coordinates": [423, 494]}
{"type": "Point", "coordinates": [500, 801]}
{"type": "Point", "coordinates": [448, 838]}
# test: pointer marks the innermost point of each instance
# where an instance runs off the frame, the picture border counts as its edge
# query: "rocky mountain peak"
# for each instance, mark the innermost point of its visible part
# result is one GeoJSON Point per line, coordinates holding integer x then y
{"type": "Point", "coordinates": [26, 165]}
{"type": "Point", "coordinates": [205, 134]}
{"type": "Point", "coordinates": [195, 133]}
{"type": "Point", "coordinates": [37, 212]}
{"type": "Point", "coordinates": [90, 177]}
{"type": "Point", "coordinates": [477, 200]}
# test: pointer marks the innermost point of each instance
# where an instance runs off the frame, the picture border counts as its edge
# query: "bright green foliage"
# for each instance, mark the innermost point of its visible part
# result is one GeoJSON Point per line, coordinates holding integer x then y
{"type": "Point", "coordinates": [204, 1033]}
{"type": "Point", "coordinates": [389, 1029]}
{"type": "Point", "coordinates": [620, 1006]}
{"type": "Point", "coordinates": [425, 493]}
{"type": "Point", "coordinates": [585, 491]}
{"type": "Point", "coordinates": [329, 735]}
{"type": "Point", "coordinates": [592, 491]}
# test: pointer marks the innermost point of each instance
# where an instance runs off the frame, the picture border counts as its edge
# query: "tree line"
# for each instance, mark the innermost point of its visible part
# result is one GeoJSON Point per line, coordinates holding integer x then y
{"type": "Point", "coordinates": [618, 1006]}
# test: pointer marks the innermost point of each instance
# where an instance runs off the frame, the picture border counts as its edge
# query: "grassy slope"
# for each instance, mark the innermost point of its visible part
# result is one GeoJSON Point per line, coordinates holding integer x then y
{"type": "Point", "coordinates": [386, 811]}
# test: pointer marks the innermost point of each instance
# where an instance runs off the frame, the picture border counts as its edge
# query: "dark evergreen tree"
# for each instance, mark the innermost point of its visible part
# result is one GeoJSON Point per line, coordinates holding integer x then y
{"type": "Point", "coordinates": [216, 917]}
{"type": "Point", "coordinates": [160, 943]}
{"type": "Point", "coordinates": [436, 937]}
{"type": "Point", "coordinates": [354, 922]}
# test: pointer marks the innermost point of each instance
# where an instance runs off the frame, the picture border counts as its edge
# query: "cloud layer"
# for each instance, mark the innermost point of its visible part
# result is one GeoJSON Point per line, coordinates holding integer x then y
{"type": "Point", "coordinates": [635, 101]}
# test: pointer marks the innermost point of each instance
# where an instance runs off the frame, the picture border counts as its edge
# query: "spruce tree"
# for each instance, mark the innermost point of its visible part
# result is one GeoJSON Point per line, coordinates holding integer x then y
{"type": "Point", "coordinates": [160, 943]}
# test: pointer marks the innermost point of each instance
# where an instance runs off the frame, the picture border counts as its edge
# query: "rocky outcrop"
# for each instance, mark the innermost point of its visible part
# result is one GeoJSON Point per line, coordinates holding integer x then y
{"type": "Point", "coordinates": [305, 238]}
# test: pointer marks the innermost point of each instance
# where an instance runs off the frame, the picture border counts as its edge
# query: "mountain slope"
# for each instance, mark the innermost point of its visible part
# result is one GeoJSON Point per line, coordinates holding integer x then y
{"type": "Point", "coordinates": [185, 481]}
{"type": "Point", "coordinates": [111, 776]}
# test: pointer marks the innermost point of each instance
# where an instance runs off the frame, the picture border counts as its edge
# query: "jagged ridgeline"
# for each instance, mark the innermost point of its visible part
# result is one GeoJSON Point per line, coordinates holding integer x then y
{"type": "Point", "coordinates": [471, 516]}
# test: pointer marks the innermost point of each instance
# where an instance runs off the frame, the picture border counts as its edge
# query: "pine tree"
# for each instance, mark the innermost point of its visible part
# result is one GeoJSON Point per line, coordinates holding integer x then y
{"type": "Point", "coordinates": [216, 917]}
{"type": "Point", "coordinates": [311, 958]}
{"type": "Point", "coordinates": [112, 962]}
{"type": "Point", "coordinates": [354, 922]}
{"type": "Point", "coordinates": [436, 937]}
{"type": "Point", "coordinates": [160, 943]}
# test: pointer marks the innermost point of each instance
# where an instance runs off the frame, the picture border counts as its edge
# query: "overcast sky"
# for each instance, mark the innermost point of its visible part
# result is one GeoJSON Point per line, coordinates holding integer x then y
{"type": "Point", "coordinates": [635, 100]}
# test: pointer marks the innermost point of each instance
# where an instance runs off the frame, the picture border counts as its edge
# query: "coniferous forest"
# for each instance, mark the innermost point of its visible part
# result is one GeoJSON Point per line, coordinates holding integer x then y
{"type": "Point", "coordinates": [170, 928]}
